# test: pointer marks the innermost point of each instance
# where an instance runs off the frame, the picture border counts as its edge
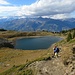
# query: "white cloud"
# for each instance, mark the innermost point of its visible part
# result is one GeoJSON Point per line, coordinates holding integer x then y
{"type": "Point", "coordinates": [8, 10]}
{"type": "Point", "coordinates": [60, 16]}
{"type": "Point", "coordinates": [4, 2]}
{"type": "Point", "coordinates": [48, 8]}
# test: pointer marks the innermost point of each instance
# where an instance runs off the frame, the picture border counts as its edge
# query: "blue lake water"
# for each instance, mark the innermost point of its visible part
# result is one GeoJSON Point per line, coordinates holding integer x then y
{"type": "Point", "coordinates": [36, 43]}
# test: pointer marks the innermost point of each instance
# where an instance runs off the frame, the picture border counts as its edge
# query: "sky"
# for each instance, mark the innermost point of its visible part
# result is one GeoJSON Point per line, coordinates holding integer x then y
{"type": "Point", "coordinates": [56, 9]}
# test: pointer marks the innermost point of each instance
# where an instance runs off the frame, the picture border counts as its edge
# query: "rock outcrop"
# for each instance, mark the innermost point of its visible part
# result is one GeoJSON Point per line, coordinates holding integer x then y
{"type": "Point", "coordinates": [6, 43]}
{"type": "Point", "coordinates": [49, 67]}
{"type": "Point", "coordinates": [53, 67]}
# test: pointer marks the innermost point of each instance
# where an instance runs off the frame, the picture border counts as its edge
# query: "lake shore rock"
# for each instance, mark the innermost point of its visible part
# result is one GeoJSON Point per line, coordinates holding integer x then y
{"type": "Point", "coordinates": [6, 43]}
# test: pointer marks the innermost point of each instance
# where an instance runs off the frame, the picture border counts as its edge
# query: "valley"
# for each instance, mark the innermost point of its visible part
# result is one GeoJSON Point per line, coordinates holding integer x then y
{"type": "Point", "coordinates": [11, 60]}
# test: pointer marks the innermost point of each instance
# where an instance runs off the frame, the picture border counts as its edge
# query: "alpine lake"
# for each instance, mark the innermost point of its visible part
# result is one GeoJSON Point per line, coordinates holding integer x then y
{"type": "Point", "coordinates": [35, 43]}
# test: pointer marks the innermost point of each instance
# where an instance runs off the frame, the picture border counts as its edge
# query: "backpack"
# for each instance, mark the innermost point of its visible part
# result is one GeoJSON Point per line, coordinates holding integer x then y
{"type": "Point", "coordinates": [57, 50]}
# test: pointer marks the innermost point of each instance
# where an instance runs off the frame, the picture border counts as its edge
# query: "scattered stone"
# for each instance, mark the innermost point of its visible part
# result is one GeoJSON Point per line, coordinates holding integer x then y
{"type": "Point", "coordinates": [6, 65]}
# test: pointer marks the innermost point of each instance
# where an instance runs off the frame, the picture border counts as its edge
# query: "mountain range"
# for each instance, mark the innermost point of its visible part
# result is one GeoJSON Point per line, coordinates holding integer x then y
{"type": "Point", "coordinates": [37, 24]}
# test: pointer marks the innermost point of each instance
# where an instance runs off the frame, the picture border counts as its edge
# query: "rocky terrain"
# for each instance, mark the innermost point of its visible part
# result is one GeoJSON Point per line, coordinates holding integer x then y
{"type": "Point", "coordinates": [50, 67]}
{"type": "Point", "coordinates": [6, 43]}
{"type": "Point", "coordinates": [54, 66]}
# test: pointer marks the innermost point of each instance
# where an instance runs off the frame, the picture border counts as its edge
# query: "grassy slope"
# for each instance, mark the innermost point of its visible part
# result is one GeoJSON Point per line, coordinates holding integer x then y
{"type": "Point", "coordinates": [17, 57]}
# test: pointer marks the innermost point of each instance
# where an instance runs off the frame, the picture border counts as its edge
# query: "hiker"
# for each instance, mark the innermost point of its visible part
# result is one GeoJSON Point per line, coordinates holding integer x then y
{"type": "Point", "coordinates": [56, 51]}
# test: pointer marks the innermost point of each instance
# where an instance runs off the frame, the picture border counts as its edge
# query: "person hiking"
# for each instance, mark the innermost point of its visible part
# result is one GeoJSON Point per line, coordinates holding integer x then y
{"type": "Point", "coordinates": [56, 51]}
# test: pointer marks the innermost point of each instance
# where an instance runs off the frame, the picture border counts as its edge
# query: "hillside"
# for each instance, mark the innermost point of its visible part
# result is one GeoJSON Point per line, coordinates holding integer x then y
{"type": "Point", "coordinates": [9, 56]}
{"type": "Point", "coordinates": [37, 24]}
{"type": "Point", "coordinates": [40, 62]}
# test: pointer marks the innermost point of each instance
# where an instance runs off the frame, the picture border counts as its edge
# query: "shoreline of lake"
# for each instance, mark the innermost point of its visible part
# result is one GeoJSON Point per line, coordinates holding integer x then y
{"type": "Point", "coordinates": [16, 38]}
{"type": "Point", "coordinates": [45, 38]}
